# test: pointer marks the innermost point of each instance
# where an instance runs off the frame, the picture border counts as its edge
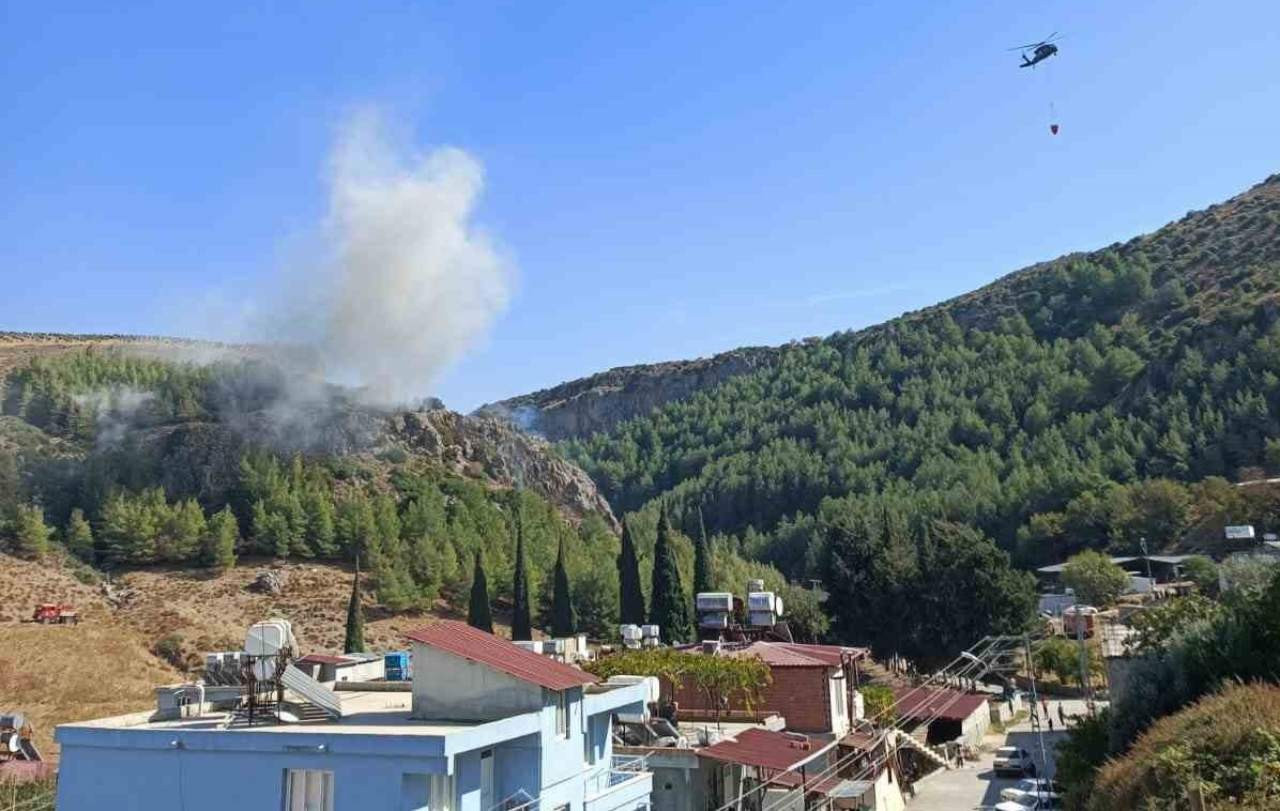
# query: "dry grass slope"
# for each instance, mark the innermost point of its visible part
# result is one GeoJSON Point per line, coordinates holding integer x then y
{"type": "Point", "coordinates": [107, 664]}
{"type": "Point", "coordinates": [66, 673]}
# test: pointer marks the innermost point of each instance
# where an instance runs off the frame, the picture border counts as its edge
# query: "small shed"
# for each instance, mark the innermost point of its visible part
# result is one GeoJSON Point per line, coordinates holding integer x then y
{"type": "Point", "coordinates": [353, 667]}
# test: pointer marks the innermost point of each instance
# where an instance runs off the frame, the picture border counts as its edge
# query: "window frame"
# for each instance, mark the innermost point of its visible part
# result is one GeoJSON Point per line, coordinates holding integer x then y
{"type": "Point", "coordinates": [327, 790]}
{"type": "Point", "coordinates": [562, 714]}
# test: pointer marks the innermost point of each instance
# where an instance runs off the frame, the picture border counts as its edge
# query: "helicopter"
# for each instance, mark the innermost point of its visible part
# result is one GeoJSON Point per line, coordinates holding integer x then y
{"type": "Point", "coordinates": [1042, 51]}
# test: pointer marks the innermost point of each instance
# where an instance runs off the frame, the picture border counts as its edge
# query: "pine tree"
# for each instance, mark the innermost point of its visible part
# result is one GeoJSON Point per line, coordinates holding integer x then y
{"type": "Point", "coordinates": [631, 609]}
{"type": "Point", "coordinates": [354, 642]}
{"type": "Point", "coordinates": [670, 607]}
{"type": "Point", "coordinates": [79, 536]}
{"type": "Point", "coordinates": [521, 619]}
{"type": "Point", "coordinates": [185, 529]}
{"type": "Point", "coordinates": [31, 534]}
{"type": "Point", "coordinates": [564, 620]}
{"type": "Point", "coordinates": [703, 574]}
{"type": "Point", "coordinates": [478, 614]}
{"type": "Point", "coordinates": [220, 539]}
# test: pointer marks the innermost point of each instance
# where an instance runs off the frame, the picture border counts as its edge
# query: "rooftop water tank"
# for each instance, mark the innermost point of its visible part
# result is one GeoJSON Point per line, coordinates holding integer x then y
{"type": "Point", "coordinates": [714, 601]}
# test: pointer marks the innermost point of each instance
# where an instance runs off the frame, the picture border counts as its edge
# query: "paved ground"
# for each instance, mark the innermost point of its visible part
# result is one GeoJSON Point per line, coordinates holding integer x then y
{"type": "Point", "coordinates": [975, 785]}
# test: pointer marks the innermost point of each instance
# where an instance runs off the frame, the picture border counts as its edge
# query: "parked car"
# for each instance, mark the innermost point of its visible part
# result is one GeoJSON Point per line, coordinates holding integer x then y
{"type": "Point", "coordinates": [1012, 760]}
{"type": "Point", "coordinates": [1033, 789]}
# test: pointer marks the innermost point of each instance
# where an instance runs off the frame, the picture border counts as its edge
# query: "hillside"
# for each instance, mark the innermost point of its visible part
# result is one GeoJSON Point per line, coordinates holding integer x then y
{"type": "Point", "coordinates": [584, 407]}
{"type": "Point", "coordinates": [1057, 407]}
{"type": "Point", "coordinates": [109, 663]}
{"type": "Point", "coordinates": [148, 458]}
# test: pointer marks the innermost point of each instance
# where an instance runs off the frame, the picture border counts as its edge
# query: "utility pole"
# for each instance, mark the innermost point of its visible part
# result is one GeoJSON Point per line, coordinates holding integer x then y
{"type": "Point", "coordinates": [1036, 723]}
{"type": "Point", "coordinates": [1142, 542]}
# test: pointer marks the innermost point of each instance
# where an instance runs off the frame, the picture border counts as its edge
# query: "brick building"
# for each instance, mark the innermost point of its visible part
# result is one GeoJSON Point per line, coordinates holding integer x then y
{"type": "Point", "coordinates": [814, 688]}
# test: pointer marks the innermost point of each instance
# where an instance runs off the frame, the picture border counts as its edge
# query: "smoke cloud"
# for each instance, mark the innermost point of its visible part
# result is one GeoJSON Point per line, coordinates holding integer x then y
{"type": "Point", "coordinates": [407, 281]}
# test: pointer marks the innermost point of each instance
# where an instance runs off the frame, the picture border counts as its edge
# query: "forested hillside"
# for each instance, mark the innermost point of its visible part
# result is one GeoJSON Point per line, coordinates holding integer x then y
{"type": "Point", "coordinates": [1066, 405]}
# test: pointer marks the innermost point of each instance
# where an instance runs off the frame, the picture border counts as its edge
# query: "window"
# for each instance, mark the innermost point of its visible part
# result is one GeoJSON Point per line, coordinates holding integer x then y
{"type": "Point", "coordinates": [308, 790]}
{"type": "Point", "coordinates": [589, 743]}
{"type": "Point", "coordinates": [427, 792]}
{"type": "Point", "coordinates": [562, 714]}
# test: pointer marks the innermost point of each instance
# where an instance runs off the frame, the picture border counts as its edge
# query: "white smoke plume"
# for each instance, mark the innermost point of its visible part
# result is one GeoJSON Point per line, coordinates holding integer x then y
{"type": "Point", "coordinates": [408, 281]}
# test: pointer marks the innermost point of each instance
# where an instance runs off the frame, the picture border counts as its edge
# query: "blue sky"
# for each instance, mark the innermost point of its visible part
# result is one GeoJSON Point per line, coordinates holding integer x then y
{"type": "Point", "coordinates": [671, 179]}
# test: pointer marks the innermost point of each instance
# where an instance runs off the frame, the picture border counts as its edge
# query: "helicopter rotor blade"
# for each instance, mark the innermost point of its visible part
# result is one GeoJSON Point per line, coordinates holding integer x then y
{"type": "Point", "coordinates": [1026, 47]}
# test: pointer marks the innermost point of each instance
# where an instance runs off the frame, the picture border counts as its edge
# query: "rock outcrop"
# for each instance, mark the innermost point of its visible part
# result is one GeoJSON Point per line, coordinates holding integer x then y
{"type": "Point", "coordinates": [586, 406]}
{"type": "Point", "coordinates": [490, 447]}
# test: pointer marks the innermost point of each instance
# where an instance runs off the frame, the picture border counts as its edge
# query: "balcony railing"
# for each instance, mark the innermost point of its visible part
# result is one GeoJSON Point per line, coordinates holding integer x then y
{"type": "Point", "coordinates": [622, 769]}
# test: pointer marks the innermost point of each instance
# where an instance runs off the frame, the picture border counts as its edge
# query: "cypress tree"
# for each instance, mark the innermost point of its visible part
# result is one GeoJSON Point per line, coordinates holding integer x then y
{"type": "Point", "coordinates": [631, 609]}
{"type": "Point", "coordinates": [522, 618]}
{"type": "Point", "coordinates": [564, 620]}
{"type": "Point", "coordinates": [703, 574]}
{"type": "Point", "coordinates": [478, 614]}
{"type": "Point", "coordinates": [670, 608]}
{"type": "Point", "coordinates": [354, 643]}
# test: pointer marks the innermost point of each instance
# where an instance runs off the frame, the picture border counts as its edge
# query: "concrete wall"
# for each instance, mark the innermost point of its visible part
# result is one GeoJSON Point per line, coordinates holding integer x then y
{"type": "Point", "coordinates": [451, 687]}
{"type": "Point", "coordinates": [163, 779]}
{"type": "Point", "coordinates": [887, 793]}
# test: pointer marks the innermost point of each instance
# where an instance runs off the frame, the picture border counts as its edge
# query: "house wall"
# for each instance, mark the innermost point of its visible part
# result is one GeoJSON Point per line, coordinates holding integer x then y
{"type": "Point", "coordinates": [451, 687]}
{"type": "Point", "coordinates": [975, 726]}
{"type": "Point", "coordinates": [681, 780]}
{"type": "Point", "coordinates": [886, 794]}
{"type": "Point", "coordinates": [364, 671]}
{"type": "Point", "coordinates": [92, 778]}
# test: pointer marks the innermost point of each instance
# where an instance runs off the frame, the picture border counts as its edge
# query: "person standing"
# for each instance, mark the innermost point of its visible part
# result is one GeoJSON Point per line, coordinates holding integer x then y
{"type": "Point", "coordinates": [1062, 717]}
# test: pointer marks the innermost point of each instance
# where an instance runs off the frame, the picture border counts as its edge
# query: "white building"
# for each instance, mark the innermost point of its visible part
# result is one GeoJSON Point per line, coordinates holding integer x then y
{"type": "Point", "coordinates": [484, 725]}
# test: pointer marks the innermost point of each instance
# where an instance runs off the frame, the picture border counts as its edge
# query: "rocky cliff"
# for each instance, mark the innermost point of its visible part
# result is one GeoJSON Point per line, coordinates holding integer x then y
{"type": "Point", "coordinates": [583, 407]}
{"type": "Point", "coordinates": [201, 456]}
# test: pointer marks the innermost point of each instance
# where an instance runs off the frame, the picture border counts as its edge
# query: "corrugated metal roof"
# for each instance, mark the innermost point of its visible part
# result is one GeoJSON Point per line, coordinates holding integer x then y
{"type": "Point", "coordinates": [762, 748]}
{"type": "Point", "coordinates": [923, 703]}
{"type": "Point", "coordinates": [861, 741]}
{"type": "Point", "coordinates": [1058, 568]}
{"type": "Point", "coordinates": [462, 640]}
{"type": "Point", "coordinates": [789, 654]}
{"type": "Point", "coordinates": [324, 659]}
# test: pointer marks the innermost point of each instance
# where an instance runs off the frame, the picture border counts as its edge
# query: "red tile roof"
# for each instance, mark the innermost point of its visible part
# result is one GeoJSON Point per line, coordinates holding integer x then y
{"type": "Point", "coordinates": [923, 703]}
{"type": "Point", "coordinates": [462, 640]}
{"type": "Point", "coordinates": [762, 748]}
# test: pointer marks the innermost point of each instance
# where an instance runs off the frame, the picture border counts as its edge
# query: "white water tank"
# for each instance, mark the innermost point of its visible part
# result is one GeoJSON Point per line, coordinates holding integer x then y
{"type": "Point", "coordinates": [264, 640]}
{"type": "Point", "coordinates": [718, 601]}
{"type": "Point", "coordinates": [650, 683]}
{"type": "Point", "coordinates": [764, 608]}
